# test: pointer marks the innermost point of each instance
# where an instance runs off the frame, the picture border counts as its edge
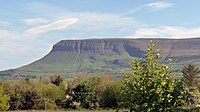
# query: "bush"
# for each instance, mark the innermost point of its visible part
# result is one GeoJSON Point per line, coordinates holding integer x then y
{"type": "Point", "coordinates": [110, 97]}
{"type": "Point", "coordinates": [4, 101]}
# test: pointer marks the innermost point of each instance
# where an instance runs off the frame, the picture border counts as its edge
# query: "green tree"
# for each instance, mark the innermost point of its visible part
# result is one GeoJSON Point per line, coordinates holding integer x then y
{"type": "Point", "coordinates": [85, 95]}
{"type": "Point", "coordinates": [4, 101]}
{"type": "Point", "coordinates": [48, 95]}
{"type": "Point", "coordinates": [191, 79]}
{"type": "Point", "coordinates": [110, 97]}
{"type": "Point", "coordinates": [16, 98]}
{"type": "Point", "coordinates": [22, 95]}
{"type": "Point", "coordinates": [56, 80]}
{"type": "Point", "coordinates": [149, 88]}
{"type": "Point", "coordinates": [190, 75]}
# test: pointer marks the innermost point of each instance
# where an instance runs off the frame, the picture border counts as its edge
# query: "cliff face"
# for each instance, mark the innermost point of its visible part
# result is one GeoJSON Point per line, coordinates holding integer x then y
{"type": "Point", "coordinates": [118, 46]}
{"type": "Point", "coordinates": [88, 45]}
{"type": "Point", "coordinates": [95, 56]}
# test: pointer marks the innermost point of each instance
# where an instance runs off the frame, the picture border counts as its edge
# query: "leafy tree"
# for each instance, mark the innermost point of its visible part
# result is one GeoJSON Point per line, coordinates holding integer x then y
{"type": "Point", "coordinates": [84, 95]}
{"type": "Point", "coordinates": [99, 83]}
{"type": "Point", "coordinates": [22, 95]}
{"type": "Point", "coordinates": [4, 101]}
{"type": "Point", "coordinates": [56, 80]}
{"type": "Point", "coordinates": [48, 95]}
{"type": "Point", "coordinates": [149, 88]}
{"type": "Point", "coordinates": [77, 80]}
{"type": "Point", "coordinates": [29, 98]}
{"type": "Point", "coordinates": [110, 97]}
{"type": "Point", "coordinates": [16, 98]}
{"type": "Point", "coordinates": [33, 94]}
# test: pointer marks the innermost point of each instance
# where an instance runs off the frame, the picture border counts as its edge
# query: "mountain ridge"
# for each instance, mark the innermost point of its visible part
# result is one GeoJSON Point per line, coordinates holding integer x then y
{"type": "Point", "coordinates": [96, 56]}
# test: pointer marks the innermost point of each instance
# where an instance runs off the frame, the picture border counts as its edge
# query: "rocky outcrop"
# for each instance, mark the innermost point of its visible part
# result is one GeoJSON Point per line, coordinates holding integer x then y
{"type": "Point", "coordinates": [96, 45]}
{"type": "Point", "coordinates": [107, 55]}
{"type": "Point", "coordinates": [99, 45]}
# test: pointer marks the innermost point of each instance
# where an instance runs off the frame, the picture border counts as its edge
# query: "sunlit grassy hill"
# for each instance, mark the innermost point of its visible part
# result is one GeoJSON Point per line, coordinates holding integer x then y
{"type": "Point", "coordinates": [98, 56]}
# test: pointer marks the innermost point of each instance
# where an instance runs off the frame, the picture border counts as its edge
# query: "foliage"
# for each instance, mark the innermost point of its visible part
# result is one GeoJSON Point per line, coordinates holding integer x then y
{"type": "Point", "coordinates": [77, 80]}
{"type": "Point", "coordinates": [191, 79]}
{"type": "Point", "coordinates": [22, 95]}
{"type": "Point", "coordinates": [178, 93]}
{"type": "Point", "coordinates": [190, 75]}
{"type": "Point", "coordinates": [47, 95]}
{"type": "Point", "coordinates": [15, 98]}
{"type": "Point", "coordinates": [85, 95]}
{"type": "Point", "coordinates": [4, 99]}
{"type": "Point", "coordinates": [110, 97]}
{"type": "Point", "coordinates": [35, 95]}
{"type": "Point", "coordinates": [149, 87]}
{"type": "Point", "coordinates": [99, 83]}
{"type": "Point", "coordinates": [56, 80]}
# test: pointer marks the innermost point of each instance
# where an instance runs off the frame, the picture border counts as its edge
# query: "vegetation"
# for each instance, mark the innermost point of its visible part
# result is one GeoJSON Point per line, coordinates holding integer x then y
{"type": "Point", "coordinates": [190, 75]}
{"type": "Point", "coordinates": [191, 79]}
{"type": "Point", "coordinates": [56, 80]}
{"type": "Point", "coordinates": [4, 99]}
{"type": "Point", "coordinates": [147, 88]}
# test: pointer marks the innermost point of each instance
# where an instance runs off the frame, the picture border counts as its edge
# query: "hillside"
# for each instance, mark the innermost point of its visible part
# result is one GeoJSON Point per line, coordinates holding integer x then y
{"type": "Point", "coordinates": [98, 56]}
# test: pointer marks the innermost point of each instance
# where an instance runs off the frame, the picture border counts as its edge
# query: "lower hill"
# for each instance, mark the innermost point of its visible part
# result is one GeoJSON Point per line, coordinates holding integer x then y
{"type": "Point", "coordinates": [99, 56]}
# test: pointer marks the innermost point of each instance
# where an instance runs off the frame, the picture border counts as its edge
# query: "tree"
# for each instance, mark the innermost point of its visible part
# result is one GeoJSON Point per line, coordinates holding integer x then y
{"type": "Point", "coordinates": [22, 95]}
{"type": "Point", "coordinates": [4, 101]}
{"type": "Point", "coordinates": [149, 88]}
{"type": "Point", "coordinates": [56, 80]}
{"type": "Point", "coordinates": [110, 97]}
{"type": "Point", "coordinates": [190, 75]}
{"type": "Point", "coordinates": [48, 95]}
{"type": "Point", "coordinates": [191, 79]}
{"type": "Point", "coordinates": [85, 95]}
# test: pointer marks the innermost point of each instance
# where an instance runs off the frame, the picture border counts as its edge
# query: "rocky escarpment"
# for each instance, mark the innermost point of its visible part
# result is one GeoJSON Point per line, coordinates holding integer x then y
{"type": "Point", "coordinates": [118, 46]}
{"type": "Point", "coordinates": [97, 56]}
{"type": "Point", "coordinates": [87, 45]}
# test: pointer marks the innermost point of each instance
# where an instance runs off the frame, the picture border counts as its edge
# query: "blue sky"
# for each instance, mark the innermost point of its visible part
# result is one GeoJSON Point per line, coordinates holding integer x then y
{"type": "Point", "coordinates": [29, 28]}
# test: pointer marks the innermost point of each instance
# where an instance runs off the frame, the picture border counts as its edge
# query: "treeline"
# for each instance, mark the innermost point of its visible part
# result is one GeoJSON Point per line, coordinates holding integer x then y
{"type": "Point", "coordinates": [149, 88]}
{"type": "Point", "coordinates": [43, 94]}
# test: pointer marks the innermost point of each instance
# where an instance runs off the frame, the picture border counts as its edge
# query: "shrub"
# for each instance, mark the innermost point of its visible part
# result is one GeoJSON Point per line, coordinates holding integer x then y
{"type": "Point", "coordinates": [4, 101]}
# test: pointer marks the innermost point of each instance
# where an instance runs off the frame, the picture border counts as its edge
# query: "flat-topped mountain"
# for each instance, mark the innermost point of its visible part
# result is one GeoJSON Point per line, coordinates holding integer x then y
{"type": "Point", "coordinates": [116, 46]}
{"type": "Point", "coordinates": [98, 56]}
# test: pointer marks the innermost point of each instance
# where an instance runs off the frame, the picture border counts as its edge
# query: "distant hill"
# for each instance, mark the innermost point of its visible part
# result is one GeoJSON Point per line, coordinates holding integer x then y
{"type": "Point", "coordinates": [98, 56]}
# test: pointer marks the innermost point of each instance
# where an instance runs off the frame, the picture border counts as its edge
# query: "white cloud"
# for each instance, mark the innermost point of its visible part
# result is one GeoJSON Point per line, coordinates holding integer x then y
{"type": "Point", "coordinates": [15, 54]}
{"type": "Point", "coordinates": [104, 21]}
{"type": "Point", "coordinates": [35, 21]}
{"type": "Point", "coordinates": [57, 25]}
{"type": "Point", "coordinates": [14, 48]}
{"type": "Point", "coordinates": [4, 33]}
{"type": "Point", "coordinates": [168, 31]}
{"type": "Point", "coordinates": [159, 5]}
{"type": "Point", "coordinates": [101, 24]}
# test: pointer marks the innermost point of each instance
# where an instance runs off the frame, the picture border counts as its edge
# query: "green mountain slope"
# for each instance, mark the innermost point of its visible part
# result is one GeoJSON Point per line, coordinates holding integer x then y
{"type": "Point", "coordinates": [97, 56]}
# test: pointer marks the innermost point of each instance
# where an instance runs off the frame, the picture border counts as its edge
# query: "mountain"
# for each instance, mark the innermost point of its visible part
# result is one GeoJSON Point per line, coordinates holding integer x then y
{"type": "Point", "coordinates": [98, 56]}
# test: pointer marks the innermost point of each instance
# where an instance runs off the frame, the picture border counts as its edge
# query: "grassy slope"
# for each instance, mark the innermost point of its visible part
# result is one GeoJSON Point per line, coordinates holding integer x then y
{"type": "Point", "coordinates": [68, 62]}
{"type": "Point", "coordinates": [181, 51]}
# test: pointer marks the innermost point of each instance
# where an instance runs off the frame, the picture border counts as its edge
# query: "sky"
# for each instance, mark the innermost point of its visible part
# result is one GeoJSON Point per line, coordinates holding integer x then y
{"type": "Point", "coordinates": [29, 28]}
